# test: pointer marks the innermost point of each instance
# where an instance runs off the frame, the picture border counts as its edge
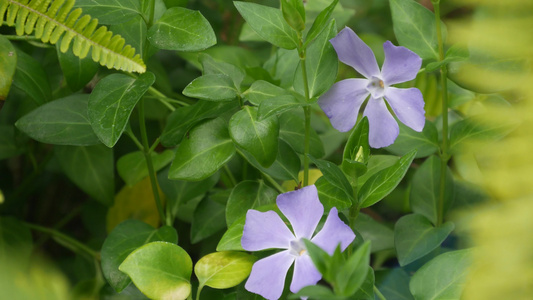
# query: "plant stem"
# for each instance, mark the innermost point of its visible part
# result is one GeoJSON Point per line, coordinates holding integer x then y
{"type": "Point", "coordinates": [444, 156]}
{"type": "Point", "coordinates": [230, 175]}
{"type": "Point", "coordinates": [200, 287]}
{"type": "Point", "coordinates": [379, 294]}
{"type": "Point", "coordinates": [274, 183]}
{"type": "Point", "coordinates": [150, 165]}
{"type": "Point", "coordinates": [307, 115]}
{"type": "Point", "coordinates": [66, 241]}
{"type": "Point", "coordinates": [21, 37]}
{"type": "Point", "coordinates": [164, 99]}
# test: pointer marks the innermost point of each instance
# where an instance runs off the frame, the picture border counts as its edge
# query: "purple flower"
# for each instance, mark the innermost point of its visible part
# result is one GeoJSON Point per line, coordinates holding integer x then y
{"type": "Point", "coordinates": [265, 230]}
{"type": "Point", "coordinates": [343, 101]}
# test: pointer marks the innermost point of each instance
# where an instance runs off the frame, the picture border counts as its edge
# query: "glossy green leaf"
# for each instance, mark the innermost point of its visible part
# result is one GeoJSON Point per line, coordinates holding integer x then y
{"type": "Point", "coordinates": [375, 164]}
{"type": "Point", "coordinates": [415, 236]}
{"type": "Point", "coordinates": [208, 220]}
{"type": "Point", "coordinates": [248, 195]}
{"type": "Point", "coordinates": [292, 131]}
{"type": "Point", "coordinates": [385, 181]}
{"type": "Point", "coordinates": [60, 122]}
{"type": "Point", "coordinates": [15, 240]}
{"type": "Point", "coordinates": [425, 142]}
{"type": "Point", "coordinates": [356, 151]}
{"type": "Point", "coordinates": [258, 138]}
{"type": "Point", "coordinates": [414, 27]}
{"type": "Point", "coordinates": [212, 66]}
{"type": "Point", "coordinates": [90, 168]}
{"type": "Point", "coordinates": [353, 273]}
{"type": "Point", "coordinates": [269, 23]}
{"type": "Point", "coordinates": [332, 173]}
{"type": "Point", "coordinates": [452, 270]}
{"type": "Point", "coordinates": [294, 13]}
{"type": "Point", "coordinates": [331, 195]}
{"type": "Point", "coordinates": [182, 29]}
{"type": "Point", "coordinates": [184, 118]}
{"type": "Point", "coordinates": [278, 105]}
{"type": "Point", "coordinates": [110, 11]}
{"type": "Point", "coordinates": [366, 291]}
{"type": "Point", "coordinates": [207, 149]}
{"type": "Point", "coordinates": [231, 240]}
{"type": "Point", "coordinates": [223, 270]}
{"type": "Point", "coordinates": [262, 90]}
{"type": "Point", "coordinates": [124, 239]}
{"type": "Point", "coordinates": [285, 167]}
{"type": "Point", "coordinates": [8, 65]}
{"type": "Point", "coordinates": [112, 102]}
{"type": "Point", "coordinates": [394, 284]}
{"type": "Point", "coordinates": [320, 22]}
{"type": "Point", "coordinates": [321, 64]}
{"type": "Point", "coordinates": [318, 292]}
{"type": "Point", "coordinates": [77, 72]}
{"type": "Point", "coordinates": [8, 143]}
{"type": "Point", "coordinates": [381, 236]}
{"type": "Point", "coordinates": [425, 189]}
{"type": "Point", "coordinates": [212, 87]}
{"type": "Point", "coordinates": [31, 79]}
{"type": "Point", "coordinates": [134, 31]}
{"type": "Point", "coordinates": [132, 166]}
{"type": "Point", "coordinates": [160, 270]}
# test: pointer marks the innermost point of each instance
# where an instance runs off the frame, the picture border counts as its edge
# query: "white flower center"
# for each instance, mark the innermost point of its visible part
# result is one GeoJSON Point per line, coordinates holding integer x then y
{"type": "Point", "coordinates": [376, 87]}
{"type": "Point", "coordinates": [297, 248]}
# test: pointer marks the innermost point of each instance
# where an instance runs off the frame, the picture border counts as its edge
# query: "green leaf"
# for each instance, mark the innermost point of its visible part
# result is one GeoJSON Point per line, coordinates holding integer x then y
{"type": "Point", "coordinates": [269, 23]}
{"type": "Point", "coordinates": [112, 102]}
{"type": "Point", "coordinates": [90, 168]}
{"type": "Point", "coordinates": [212, 87]}
{"type": "Point", "coordinates": [212, 66]}
{"type": "Point", "coordinates": [134, 31]}
{"type": "Point", "coordinates": [278, 105]}
{"type": "Point", "coordinates": [31, 78]}
{"type": "Point", "coordinates": [475, 129]}
{"type": "Point", "coordinates": [425, 142]}
{"type": "Point", "coordinates": [385, 181]}
{"type": "Point", "coordinates": [381, 236]}
{"type": "Point", "coordinates": [15, 241]}
{"type": "Point", "coordinates": [352, 274]}
{"type": "Point", "coordinates": [285, 167]}
{"type": "Point", "coordinates": [207, 149]}
{"type": "Point", "coordinates": [394, 284]}
{"type": "Point", "coordinates": [294, 13]}
{"type": "Point", "coordinates": [414, 27]}
{"type": "Point", "coordinates": [375, 164]}
{"type": "Point", "coordinates": [60, 122]}
{"type": "Point", "coordinates": [248, 195]}
{"type": "Point", "coordinates": [110, 11]}
{"type": "Point", "coordinates": [8, 143]}
{"type": "Point", "coordinates": [8, 65]}
{"type": "Point", "coordinates": [356, 151]}
{"type": "Point", "coordinates": [132, 166]}
{"type": "Point", "coordinates": [160, 270]}
{"type": "Point", "coordinates": [321, 64]}
{"type": "Point", "coordinates": [262, 90]}
{"type": "Point", "coordinates": [450, 268]}
{"type": "Point", "coordinates": [335, 176]}
{"type": "Point", "coordinates": [320, 23]}
{"type": "Point", "coordinates": [258, 138]}
{"type": "Point", "coordinates": [182, 29]}
{"type": "Point", "coordinates": [292, 131]}
{"type": "Point", "coordinates": [366, 291]}
{"type": "Point", "coordinates": [415, 236]}
{"type": "Point", "coordinates": [77, 72]}
{"type": "Point", "coordinates": [231, 240]}
{"type": "Point", "coordinates": [223, 270]}
{"type": "Point", "coordinates": [124, 239]}
{"type": "Point", "coordinates": [184, 118]}
{"type": "Point", "coordinates": [331, 195]}
{"type": "Point", "coordinates": [425, 189]}
{"type": "Point", "coordinates": [317, 292]}
{"type": "Point", "coordinates": [208, 220]}
{"type": "Point", "coordinates": [455, 53]}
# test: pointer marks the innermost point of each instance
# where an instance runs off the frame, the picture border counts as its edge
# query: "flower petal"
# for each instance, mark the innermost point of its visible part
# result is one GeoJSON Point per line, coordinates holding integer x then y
{"type": "Point", "coordinates": [408, 105]}
{"type": "Point", "coordinates": [342, 102]}
{"type": "Point", "coordinates": [401, 64]}
{"type": "Point", "coordinates": [268, 275]}
{"type": "Point", "coordinates": [264, 230]}
{"type": "Point", "coordinates": [335, 231]}
{"type": "Point", "coordinates": [352, 51]}
{"type": "Point", "coordinates": [303, 209]}
{"type": "Point", "coordinates": [305, 273]}
{"type": "Point", "coordinates": [383, 128]}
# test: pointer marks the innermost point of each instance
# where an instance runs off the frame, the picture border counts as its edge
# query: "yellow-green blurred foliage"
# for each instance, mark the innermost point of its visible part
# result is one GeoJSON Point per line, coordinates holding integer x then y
{"type": "Point", "coordinates": [502, 230]}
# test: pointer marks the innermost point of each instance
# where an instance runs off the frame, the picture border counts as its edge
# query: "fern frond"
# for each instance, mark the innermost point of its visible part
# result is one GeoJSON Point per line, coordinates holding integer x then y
{"type": "Point", "coordinates": [53, 19]}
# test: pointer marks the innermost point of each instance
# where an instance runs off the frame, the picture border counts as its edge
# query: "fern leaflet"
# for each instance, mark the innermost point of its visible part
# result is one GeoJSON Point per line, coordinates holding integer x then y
{"type": "Point", "coordinates": [53, 19]}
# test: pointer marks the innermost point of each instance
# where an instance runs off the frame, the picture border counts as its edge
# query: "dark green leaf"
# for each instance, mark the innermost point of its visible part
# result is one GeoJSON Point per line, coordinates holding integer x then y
{"type": "Point", "coordinates": [61, 122]}
{"type": "Point", "coordinates": [31, 79]}
{"type": "Point", "coordinates": [278, 105]}
{"type": "Point", "coordinates": [366, 291]}
{"type": "Point", "coordinates": [375, 164]}
{"type": "Point", "coordinates": [110, 11]}
{"type": "Point", "coordinates": [317, 292]}
{"type": "Point", "coordinates": [208, 220]}
{"type": "Point", "coordinates": [223, 270]}
{"type": "Point", "coordinates": [134, 31]}
{"type": "Point", "coordinates": [212, 66]}
{"type": "Point", "coordinates": [294, 13]}
{"type": "Point", "coordinates": [394, 284]}
{"type": "Point", "coordinates": [207, 149]}
{"type": "Point", "coordinates": [381, 236]}
{"type": "Point", "coordinates": [356, 151]}
{"type": "Point", "coordinates": [8, 65]}
{"type": "Point", "coordinates": [475, 129]}
{"type": "Point", "coordinates": [132, 166]}
{"type": "Point", "coordinates": [112, 102]}
{"type": "Point", "coordinates": [455, 53]}
{"type": "Point", "coordinates": [335, 176]}
{"type": "Point", "coordinates": [425, 142]}
{"type": "Point", "coordinates": [285, 167]}
{"type": "Point", "coordinates": [269, 23]}
{"type": "Point", "coordinates": [125, 238]}
{"type": "Point", "coordinates": [262, 90]}
{"type": "Point", "coordinates": [160, 270]}
{"type": "Point", "coordinates": [331, 195]}
{"type": "Point", "coordinates": [8, 143]}
{"type": "Point", "coordinates": [212, 87]}
{"type": "Point", "coordinates": [258, 138]}
{"type": "Point", "coordinates": [353, 273]}
{"type": "Point", "coordinates": [385, 181]}
{"type": "Point", "coordinates": [90, 168]}
{"type": "Point", "coordinates": [415, 236]}
{"type": "Point", "coordinates": [248, 195]}
{"type": "Point", "coordinates": [292, 131]}
{"type": "Point", "coordinates": [182, 29]}
{"type": "Point", "coordinates": [77, 72]}
{"type": "Point", "coordinates": [320, 23]}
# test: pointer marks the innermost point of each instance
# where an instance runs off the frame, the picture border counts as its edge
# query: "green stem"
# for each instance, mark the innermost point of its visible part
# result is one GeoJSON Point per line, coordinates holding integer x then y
{"type": "Point", "coordinates": [379, 294]}
{"type": "Point", "coordinates": [164, 99]}
{"type": "Point", "coordinates": [274, 183]}
{"type": "Point", "coordinates": [200, 287]}
{"type": "Point", "coordinates": [67, 241]}
{"type": "Point", "coordinates": [307, 115]}
{"type": "Point", "coordinates": [230, 175]}
{"type": "Point", "coordinates": [134, 138]}
{"type": "Point", "coordinates": [444, 156]}
{"type": "Point", "coordinates": [149, 163]}
{"type": "Point", "coordinates": [21, 37]}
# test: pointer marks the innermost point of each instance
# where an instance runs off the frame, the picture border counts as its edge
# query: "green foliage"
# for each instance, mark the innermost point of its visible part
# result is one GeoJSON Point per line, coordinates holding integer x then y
{"type": "Point", "coordinates": [8, 64]}
{"type": "Point", "coordinates": [222, 270]}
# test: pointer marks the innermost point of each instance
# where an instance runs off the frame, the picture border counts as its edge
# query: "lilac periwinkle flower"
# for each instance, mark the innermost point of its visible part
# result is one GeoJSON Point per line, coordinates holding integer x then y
{"type": "Point", "coordinates": [266, 230]}
{"type": "Point", "coordinates": [343, 101]}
